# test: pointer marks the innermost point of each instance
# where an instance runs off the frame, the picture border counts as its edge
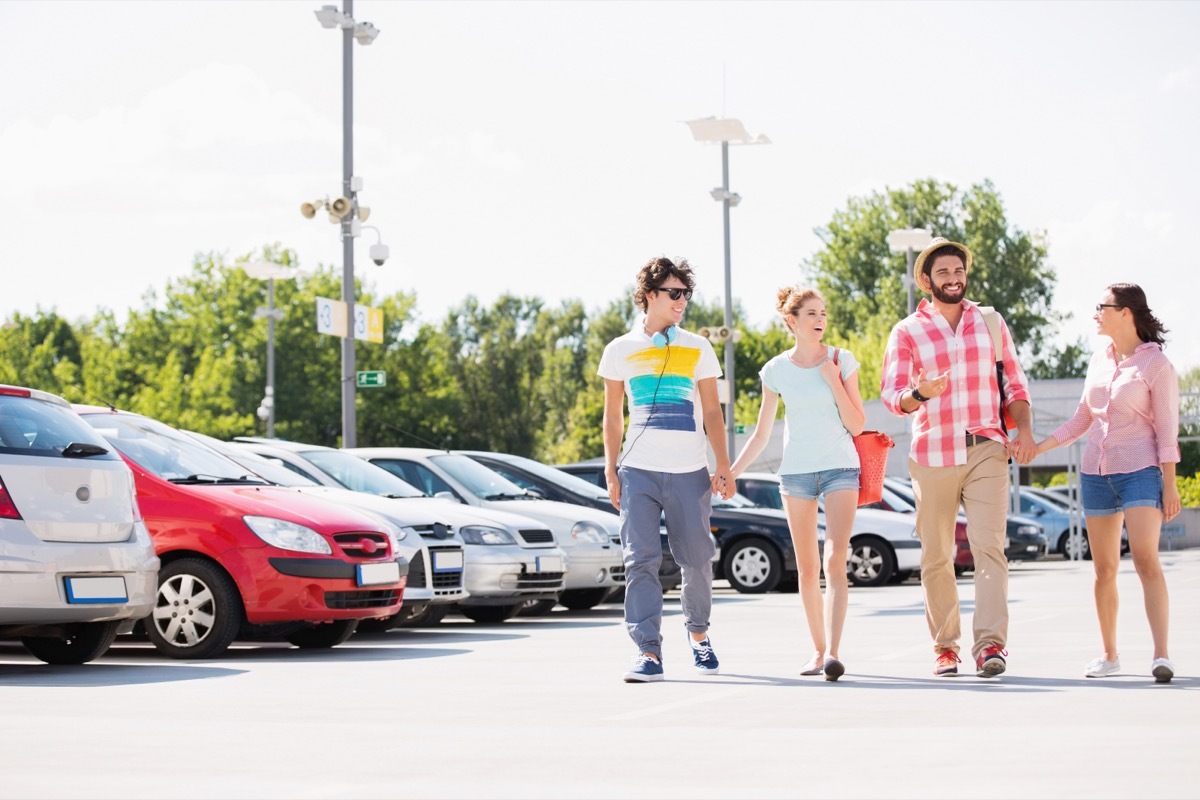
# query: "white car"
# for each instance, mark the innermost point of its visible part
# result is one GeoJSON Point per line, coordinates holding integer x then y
{"type": "Point", "coordinates": [590, 538]}
{"type": "Point", "coordinates": [433, 550]}
{"type": "Point", "coordinates": [77, 566]}
{"type": "Point", "coordinates": [883, 544]}
{"type": "Point", "coordinates": [511, 559]}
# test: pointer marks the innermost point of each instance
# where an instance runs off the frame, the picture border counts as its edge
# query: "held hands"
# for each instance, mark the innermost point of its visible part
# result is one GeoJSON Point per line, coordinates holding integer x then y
{"type": "Point", "coordinates": [723, 483]}
{"type": "Point", "coordinates": [1022, 449]}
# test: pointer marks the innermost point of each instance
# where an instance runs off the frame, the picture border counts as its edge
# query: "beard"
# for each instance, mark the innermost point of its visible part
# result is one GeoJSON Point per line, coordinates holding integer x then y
{"type": "Point", "coordinates": [943, 296]}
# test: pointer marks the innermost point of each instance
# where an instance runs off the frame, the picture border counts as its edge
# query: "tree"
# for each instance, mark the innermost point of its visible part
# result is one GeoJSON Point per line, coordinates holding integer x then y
{"type": "Point", "coordinates": [862, 280]}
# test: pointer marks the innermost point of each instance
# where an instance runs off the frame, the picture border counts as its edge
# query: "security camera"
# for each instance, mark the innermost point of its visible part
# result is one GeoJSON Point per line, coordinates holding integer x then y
{"type": "Point", "coordinates": [379, 254]}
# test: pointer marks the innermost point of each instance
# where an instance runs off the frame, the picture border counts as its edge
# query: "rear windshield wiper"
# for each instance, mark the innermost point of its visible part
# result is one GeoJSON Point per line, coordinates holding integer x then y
{"type": "Point", "coordinates": [83, 450]}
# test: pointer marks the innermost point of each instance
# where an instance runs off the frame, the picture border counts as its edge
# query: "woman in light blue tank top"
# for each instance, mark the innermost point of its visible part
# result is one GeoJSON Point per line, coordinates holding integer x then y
{"type": "Point", "coordinates": [823, 411]}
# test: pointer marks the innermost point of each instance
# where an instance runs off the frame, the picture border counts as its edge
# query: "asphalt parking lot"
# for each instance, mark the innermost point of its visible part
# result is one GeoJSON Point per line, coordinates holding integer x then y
{"type": "Point", "coordinates": [535, 708]}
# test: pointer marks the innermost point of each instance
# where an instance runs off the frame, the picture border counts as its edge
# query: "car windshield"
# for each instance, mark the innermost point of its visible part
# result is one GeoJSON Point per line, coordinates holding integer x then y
{"type": "Point", "coordinates": [166, 452]}
{"type": "Point", "coordinates": [33, 427]}
{"type": "Point", "coordinates": [483, 482]}
{"type": "Point", "coordinates": [259, 465]}
{"type": "Point", "coordinates": [556, 476]}
{"type": "Point", "coordinates": [360, 476]}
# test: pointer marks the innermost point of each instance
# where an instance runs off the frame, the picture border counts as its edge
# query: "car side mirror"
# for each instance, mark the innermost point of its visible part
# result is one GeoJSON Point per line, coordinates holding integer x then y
{"type": "Point", "coordinates": [536, 492]}
{"type": "Point", "coordinates": [447, 496]}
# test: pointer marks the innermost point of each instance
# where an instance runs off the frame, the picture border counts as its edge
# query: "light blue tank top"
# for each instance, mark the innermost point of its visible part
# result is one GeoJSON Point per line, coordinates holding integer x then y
{"type": "Point", "coordinates": [814, 438]}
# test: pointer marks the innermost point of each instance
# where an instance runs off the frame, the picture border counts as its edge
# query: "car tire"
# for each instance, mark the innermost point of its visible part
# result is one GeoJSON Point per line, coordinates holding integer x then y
{"type": "Point", "coordinates": [753, 566]}
{"type": "Point", "coordinates": [583, 599]}
{"type": "Point", "coordinates": [490, 613]}
{"type": "Point", "coordinates": [871, 561]}
{"type": "Point", "coordinates": [324, 635]}
{"type": "Point", "coordinates": [428, 616]}
{"type": "Point", "coordinates": [537, 608]}
{"type": "Point", "coordinates": [192, 586]}
{"type": "Point", "coordinates": [86, 641]}
{"type": "Point", "coordinates": [1067, 549]}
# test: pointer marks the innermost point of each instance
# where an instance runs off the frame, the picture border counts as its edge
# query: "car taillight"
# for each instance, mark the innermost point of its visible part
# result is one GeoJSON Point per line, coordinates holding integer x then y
{"type": "Point", "coordinates": [13, 391]}
{"type": "Point", "coordinates": [7, 509]}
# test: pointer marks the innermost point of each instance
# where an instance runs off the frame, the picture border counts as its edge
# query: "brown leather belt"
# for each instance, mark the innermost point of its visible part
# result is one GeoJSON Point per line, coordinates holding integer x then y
{"type": "Point", "coordinates": [974, 439]}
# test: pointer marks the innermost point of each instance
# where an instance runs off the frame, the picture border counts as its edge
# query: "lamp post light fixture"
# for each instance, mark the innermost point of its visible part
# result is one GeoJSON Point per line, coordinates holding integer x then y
{"type": "Point", "coordinates": [726, 131]}
{"type": "Point", "coordinates": [345, 210]}
{"type": "Point", "coordinates": [910, 241]}
{"type": "Point", "coordinates": [269, 271]}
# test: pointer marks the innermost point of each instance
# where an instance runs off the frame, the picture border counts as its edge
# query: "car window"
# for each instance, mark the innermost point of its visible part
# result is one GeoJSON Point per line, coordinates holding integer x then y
{"type": "Point", "coordinates": [418, 475]}
{"type": "Point", "coordinates": [514, 476]}
{"type": "Point", "coordinates": [479, 480]}
{"type": "Point", "coordinates": [594, 476]}
{"type": "Point", "coordinates": [572, 483]}
{"type": "Point", "coordinates": [761, 493]}
{"type": "Point", "coordinates": [162, 450]}
{"type": "Point", "coordinates": [358, 475]}
{"type": "Point", "coordinates": [33, 427]}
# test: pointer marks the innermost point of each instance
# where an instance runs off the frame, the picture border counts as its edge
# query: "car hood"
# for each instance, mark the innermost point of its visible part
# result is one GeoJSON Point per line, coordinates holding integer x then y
{"type": "Point", "coordinates": [318, 513]}
{"type": "Point", "coordinates": [559, 517]}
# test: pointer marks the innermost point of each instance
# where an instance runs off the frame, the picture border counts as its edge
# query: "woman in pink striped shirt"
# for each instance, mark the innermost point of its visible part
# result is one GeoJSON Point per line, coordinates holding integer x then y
{"type": "Point", "coordinates": [1130, 411]}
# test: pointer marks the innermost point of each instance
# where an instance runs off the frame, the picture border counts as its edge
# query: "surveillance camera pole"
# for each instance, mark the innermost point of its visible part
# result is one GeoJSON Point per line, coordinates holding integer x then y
{"type": "Point", "coordinates": [349, 418]}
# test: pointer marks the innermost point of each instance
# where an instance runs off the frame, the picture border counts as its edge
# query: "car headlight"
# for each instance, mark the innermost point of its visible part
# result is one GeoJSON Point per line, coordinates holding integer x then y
{"type": "Point", "coordinates": [1028, 530]}
{"type": "Point", "coordinates": [288, 535]}
{"type": "Point", "coordinates": [481, 534]}
{"type": "Point", "coordinates": [586, 532]}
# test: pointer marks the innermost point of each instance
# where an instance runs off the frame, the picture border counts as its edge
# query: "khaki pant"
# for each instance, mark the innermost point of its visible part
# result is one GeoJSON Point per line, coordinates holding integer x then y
{"type": "Point", "coordinates": [981, 487]}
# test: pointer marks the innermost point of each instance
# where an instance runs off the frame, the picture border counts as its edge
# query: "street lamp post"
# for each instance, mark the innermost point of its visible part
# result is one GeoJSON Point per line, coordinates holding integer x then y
{"type": "Point", "coordinates": [726, 132]}
{"type": "Point", "coordinates": [269, 271]}
{"type": "Point", "coordinates": [910, 241]}
{"type": "Point", "coordinates": [364, 33]}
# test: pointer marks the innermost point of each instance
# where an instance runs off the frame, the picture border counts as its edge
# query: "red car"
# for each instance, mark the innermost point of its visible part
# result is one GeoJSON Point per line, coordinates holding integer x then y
{"type": "Point", "coordinates": [241, 556]}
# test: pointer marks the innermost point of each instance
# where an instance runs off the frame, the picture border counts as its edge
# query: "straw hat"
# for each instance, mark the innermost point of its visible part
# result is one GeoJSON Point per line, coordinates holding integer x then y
{"type": "Point", "coordinates": [940, 241]}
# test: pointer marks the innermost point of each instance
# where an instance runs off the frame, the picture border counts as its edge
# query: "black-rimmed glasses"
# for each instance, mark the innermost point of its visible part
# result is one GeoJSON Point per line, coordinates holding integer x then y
{"type": "Point", "coordinates": [675, 294]}
{"type": "Point", "coordinates": [1101, 306]}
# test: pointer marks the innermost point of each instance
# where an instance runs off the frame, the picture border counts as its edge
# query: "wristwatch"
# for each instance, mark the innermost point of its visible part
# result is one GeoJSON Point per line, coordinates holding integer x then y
{"type": "Point", "coordinates": [920, 398]}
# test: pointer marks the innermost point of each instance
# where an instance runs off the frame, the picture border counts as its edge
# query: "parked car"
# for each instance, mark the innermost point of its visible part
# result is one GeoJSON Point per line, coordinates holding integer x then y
{"type": "Point", "coordinates": [511, 559]}
{"type": "Point", "coordinates": [77, 566]}
{"type": "Point", "coordinates": [590, 538]}
{"type": "Point", "coordinates": [883, 548]}
{"type": "Point", "coordinates": [242, 557]}
{"type": "Point", "coordinates": [428, 542]}
{"type": "Point", "coordinates": [553, 484]}
{"type": "Point", "coordinates": [1025, 539]}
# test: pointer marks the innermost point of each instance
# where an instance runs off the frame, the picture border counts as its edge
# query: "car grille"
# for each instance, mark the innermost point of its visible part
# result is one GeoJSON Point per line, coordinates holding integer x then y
{"type": "Point", "coordinates": [618, 573]}
{"type": "Point", "coordinates": [540, 580]}
{"type": "Point", "coordinates": [378, 598]}
{"type": "Point", "coordinates": [354, 544]}
{"type": "Point", "coordinates": [537, 537]}
{"type": "Point", "coordinates": [435, 531]}
{"type": "Point", "coordinates": [447, 579]}
{"type": "Point", "coordinates": [416, 571]}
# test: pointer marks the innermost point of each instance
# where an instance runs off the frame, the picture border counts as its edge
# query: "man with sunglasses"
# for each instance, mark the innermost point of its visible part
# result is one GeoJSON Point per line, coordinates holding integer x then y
{"type": "Point", "coordinates": [940, 366]}
{"type": "Point", "coordinates": [669, 377]}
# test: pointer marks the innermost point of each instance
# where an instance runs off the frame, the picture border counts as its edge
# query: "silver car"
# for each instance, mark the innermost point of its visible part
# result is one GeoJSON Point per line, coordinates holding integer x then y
{"type": "Point", "coordinates": [510, 559]}
{"type": "Point", "coordinates": [77, 566]}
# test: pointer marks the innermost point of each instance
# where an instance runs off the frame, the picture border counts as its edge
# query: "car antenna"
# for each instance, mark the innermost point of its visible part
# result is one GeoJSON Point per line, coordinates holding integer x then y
{"type": "Point", "coordinates": [418, 438]}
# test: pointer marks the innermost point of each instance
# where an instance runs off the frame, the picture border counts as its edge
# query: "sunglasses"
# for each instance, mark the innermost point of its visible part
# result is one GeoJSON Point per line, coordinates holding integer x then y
{"type": "Point", "coordinates": [675, 294]}
{"type": "Point", "coordinates": [1101, 306]}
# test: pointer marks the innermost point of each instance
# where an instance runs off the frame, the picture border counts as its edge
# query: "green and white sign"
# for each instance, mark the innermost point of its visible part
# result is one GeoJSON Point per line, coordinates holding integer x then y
{"type": "Point", "coordinates": [376, 378]}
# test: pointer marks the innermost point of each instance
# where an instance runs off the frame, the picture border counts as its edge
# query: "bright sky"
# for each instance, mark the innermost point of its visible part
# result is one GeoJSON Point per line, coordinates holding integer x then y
{"type": "Point", "coordinates": [540, 148]}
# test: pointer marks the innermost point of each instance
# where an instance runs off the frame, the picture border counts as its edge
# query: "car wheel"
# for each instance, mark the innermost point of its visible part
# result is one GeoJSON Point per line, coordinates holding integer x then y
{"type": "Point", "coordinates": [324, 635]}
{"type": "Point", "coordinates": [198, 611]}
{"type": "Point", "coordinates": [583, 599]}
{"type": "Point", "coordinates": [871, 562]}
{"type": "Point", "coordinates": [85, 641]}
{"type": "Point", "coordinates": [1073, 547]}
{"type": "Point", "coordinates": [420, 617]}
{"type": "Point", "coordinates": [537, 608]}
{"type": "Point", "coordinates": [489, 613]}
{"type": "Point", "coordinates": [752, 566]}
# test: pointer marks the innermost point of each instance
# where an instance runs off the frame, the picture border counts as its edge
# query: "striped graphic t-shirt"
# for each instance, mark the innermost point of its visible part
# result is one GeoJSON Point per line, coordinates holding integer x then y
{"type": "Point", "coordinates": [666, 430]}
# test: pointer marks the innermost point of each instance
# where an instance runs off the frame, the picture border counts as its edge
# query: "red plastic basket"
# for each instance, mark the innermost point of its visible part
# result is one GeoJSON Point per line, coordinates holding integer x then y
{"type": "Point", "coordinates": [872, 447]}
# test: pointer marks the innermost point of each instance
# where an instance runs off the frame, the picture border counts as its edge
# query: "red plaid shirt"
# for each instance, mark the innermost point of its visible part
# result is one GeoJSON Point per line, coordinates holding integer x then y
{"type": "Point", "coordinates": [971, 402]}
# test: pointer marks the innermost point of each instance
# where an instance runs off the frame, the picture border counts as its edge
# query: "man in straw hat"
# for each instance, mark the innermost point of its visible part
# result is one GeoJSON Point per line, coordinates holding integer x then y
{"type": "Point", "coordinates": [940, 366]}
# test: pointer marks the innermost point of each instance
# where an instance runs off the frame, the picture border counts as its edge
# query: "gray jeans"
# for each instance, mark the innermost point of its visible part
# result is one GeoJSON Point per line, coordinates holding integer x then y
{"type": "Point", "coordinates": [685, 500]}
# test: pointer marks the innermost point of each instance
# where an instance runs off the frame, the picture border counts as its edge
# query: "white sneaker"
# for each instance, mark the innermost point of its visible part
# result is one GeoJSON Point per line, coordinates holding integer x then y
{"type": "Point", "coordinates": [1163, 670]}
{"type": "Point", "coordinates": [1100, 668]}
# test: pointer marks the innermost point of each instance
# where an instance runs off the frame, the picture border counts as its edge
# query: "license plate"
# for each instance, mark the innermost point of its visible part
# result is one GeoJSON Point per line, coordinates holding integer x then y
{"type": "Point", "coordinates": [549, 564]}
{"type": "Point", "coordinates": [109, 589]}
{"type": "Point", "coordinates": [374, 574]}
{"type": "Point", "coordinates": [448, 561]}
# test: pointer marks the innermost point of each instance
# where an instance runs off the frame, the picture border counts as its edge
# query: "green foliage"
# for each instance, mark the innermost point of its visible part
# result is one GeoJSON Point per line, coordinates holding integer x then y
{"type": "Point", "coordinates": [1189, 490]}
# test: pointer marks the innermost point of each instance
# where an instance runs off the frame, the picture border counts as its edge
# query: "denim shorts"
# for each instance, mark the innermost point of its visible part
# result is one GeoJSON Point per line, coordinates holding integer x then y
{"type": "Point", "coordinates": [1104, 495]}
{"type": "Point", "coordinates": [811, 485]}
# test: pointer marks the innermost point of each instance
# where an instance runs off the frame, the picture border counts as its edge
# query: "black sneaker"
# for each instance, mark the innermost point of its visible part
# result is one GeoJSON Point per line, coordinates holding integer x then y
{"type": "Point", "coordinates": [705, 659]}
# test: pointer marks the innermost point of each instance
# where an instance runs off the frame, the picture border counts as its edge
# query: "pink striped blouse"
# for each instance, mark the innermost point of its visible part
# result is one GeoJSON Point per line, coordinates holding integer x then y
{"type": "Point", "coordinates": [971, 403]}
{"type": "Point", "coordinates": [1130, 411]}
